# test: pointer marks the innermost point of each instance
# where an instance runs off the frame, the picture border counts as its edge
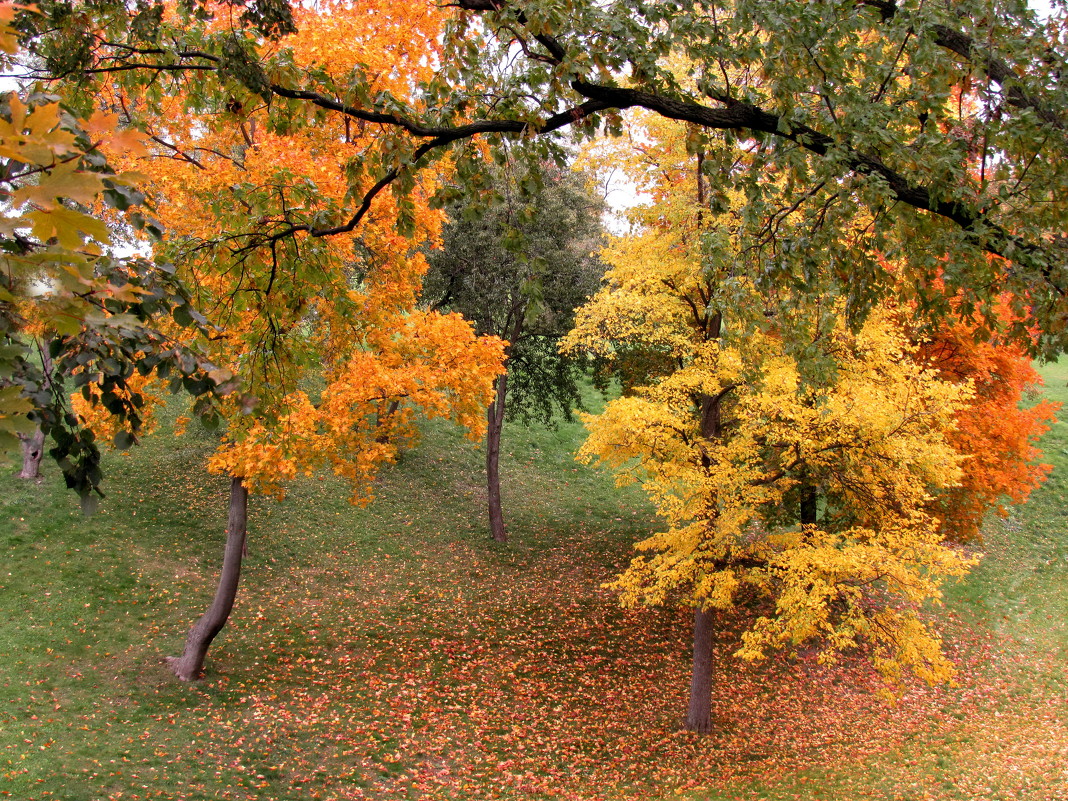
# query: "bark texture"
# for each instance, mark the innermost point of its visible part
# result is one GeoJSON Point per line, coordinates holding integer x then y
{"type": "Point", "coordinates": [190, 664]}
{"type": "Point", "coordinates": [699, 712]}
{"type": "Point", "coordinates": [32, 451]}
{"type": "Point", "coordinates": [495, 422]}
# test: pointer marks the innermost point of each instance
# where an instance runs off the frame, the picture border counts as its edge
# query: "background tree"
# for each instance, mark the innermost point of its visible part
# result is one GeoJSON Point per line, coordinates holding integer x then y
{"type": "Point", "coordinates": [998, 430]}
{"type": "Point", "coordinates": [518, 271]}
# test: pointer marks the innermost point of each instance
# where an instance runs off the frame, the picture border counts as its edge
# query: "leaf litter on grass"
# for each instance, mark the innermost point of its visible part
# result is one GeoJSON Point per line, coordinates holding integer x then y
{"type": "Point", "coordinates": [393, 653]}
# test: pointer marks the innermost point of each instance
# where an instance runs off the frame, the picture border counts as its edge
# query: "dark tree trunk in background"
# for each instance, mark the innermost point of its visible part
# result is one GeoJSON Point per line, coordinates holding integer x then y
{"type": "Point", "coordinates": [808, 505]}
{"type": "Point", "coordinates": [494, 424]}
{"type": "Point", "coordinates": [699, 713]}
{"type": "Point", "coordinates": [189, 665]}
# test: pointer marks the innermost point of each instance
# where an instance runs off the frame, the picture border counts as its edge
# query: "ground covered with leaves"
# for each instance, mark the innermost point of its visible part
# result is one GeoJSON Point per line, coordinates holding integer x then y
{"type": "Point", "coordinates": [395, 652]}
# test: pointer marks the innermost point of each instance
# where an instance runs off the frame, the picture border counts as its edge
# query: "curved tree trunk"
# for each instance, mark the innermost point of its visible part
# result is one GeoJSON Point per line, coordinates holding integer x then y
{"type": "Point", "coordinates": [189, 665]}
{"type": "Point", "coordinates": [494, 424]}
{"type": "Point", "coordinates": [699, 713]}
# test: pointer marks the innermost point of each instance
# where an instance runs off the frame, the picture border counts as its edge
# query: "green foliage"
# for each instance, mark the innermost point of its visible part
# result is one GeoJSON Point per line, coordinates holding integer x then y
{"type": "Point", "coordinates": [518, 270]}
{"type": "Point", "coordinates": [70, 311]}
{"type": "Point", "coordinates": [933, 136]}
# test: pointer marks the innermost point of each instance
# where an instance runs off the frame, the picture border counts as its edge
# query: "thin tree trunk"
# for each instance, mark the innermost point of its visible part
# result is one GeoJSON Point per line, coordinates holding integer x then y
{"type": "Point", "coordinates": [32, 451]}
{"type": "Point", "coordinates": [699, 713]}
{"type": "Point", "coordinates": [189, 665]}
{"type": "Point", "coordinates": [381, 418]}
{"type": "Point", "coordinates": [494, 424]}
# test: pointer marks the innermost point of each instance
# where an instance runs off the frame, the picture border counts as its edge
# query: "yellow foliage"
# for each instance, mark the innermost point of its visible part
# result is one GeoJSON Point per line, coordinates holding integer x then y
{"type": "Point", "coordinates": [743, 414]}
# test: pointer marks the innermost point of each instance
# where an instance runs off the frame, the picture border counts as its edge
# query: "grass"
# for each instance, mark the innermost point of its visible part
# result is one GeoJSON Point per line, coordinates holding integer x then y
{"type": "Point", "coordinates": [396, 652]}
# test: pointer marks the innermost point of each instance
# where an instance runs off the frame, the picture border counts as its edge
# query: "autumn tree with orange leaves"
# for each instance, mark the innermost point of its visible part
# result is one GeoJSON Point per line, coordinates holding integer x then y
{"type": "Point", "coordinates": [297, 309]}
{"type": "Point", "coordinates": [997, 431]}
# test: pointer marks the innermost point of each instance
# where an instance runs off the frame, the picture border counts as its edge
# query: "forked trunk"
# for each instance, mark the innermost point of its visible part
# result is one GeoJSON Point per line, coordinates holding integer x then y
{"type": "Point", "coordinates": [699, 713]}
{"type": "Point", "coordinates": [32, 451]}
{"type": "Point", "coordinates": [494, 424]}
{"type": "Point", "coordinates": [189, 665]}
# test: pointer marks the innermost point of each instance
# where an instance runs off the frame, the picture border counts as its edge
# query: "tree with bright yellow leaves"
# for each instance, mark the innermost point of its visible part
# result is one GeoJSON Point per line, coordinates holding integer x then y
{"type": "Point", "coordinates": [791, 455]}
{"type": "Point", "coordinates": [804, 492]}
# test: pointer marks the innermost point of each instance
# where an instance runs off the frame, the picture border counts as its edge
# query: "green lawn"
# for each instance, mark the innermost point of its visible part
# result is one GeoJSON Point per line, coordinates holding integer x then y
{"type": "Point", "coordinates": [395, 652]}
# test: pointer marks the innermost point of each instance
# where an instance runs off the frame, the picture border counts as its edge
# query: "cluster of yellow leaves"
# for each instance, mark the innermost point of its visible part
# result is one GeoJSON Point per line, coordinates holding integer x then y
{"type": "Point", "coordinates": [36, 138]}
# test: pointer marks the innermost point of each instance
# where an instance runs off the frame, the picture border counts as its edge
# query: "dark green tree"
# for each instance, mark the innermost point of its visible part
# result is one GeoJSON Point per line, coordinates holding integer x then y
{"type": "Point", "coordinates": [518, 271]}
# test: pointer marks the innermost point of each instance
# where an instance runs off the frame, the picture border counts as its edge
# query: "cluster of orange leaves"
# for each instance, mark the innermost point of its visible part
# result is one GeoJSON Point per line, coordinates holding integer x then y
{"type": "Point", "coordinates": [997, 431]}
{"type": "Point", "coordinates": [341, 308]}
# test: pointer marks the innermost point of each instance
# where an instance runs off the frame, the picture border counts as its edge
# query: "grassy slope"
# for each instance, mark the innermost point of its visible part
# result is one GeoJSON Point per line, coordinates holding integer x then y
{"type": "Point", "coordinates": [394, 652]}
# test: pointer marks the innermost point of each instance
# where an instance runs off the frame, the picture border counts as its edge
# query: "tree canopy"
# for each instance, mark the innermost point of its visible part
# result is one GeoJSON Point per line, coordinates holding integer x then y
{"type": "Point", "coordinates": [518, 271]}
{"type": "Point", "coordinates": [941, 124]}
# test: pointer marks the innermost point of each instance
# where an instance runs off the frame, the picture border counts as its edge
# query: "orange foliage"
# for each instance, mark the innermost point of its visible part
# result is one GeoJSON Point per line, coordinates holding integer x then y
{"type": "Point", "coordinates": [339, 308]}
{"type": "Point", "coordinates": [996, 432]}
{"type": "Point", "coordinates": [92, 414]}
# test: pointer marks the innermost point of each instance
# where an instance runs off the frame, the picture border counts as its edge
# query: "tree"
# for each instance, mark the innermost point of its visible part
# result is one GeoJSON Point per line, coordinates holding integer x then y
{"type": "Point", "coordinates": [803, 489]}
{"type": "Point", "coordinates": [997, 431]}
{"type": "Point", "coordinates": [773, 439]}
{"type": "Point", "coordinates": [304, 310]}
{"type": "Point", "coordinates": [517, 272]}
{"type": "Point", "coordinates": [858, 134]}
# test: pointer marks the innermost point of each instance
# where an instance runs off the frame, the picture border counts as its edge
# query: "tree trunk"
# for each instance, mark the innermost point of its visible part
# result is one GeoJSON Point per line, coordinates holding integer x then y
{"type": "Point", "coordinates": [494, 424]}
{"type": "Point", "coordinates": [33, 445]}
{"type": "Point", "coordinates": [381, 418]}
{"type": "Point", "coordinates": [32, 451]}
{"type": "Point", "coordinates": [189, 665]}
{"type": "Point", "coordinates": [699, 713]}
{"type": "Point", "coordinates": [809, 505]}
